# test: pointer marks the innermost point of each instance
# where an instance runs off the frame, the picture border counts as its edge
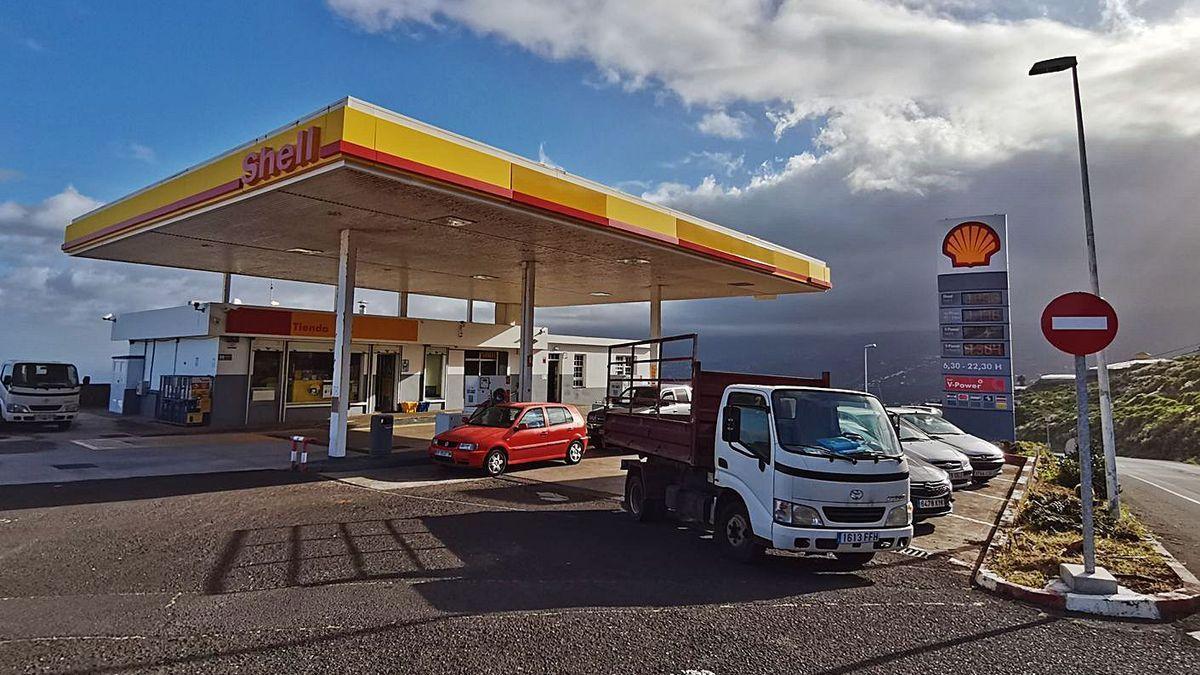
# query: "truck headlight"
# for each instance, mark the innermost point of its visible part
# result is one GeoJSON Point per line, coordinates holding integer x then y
{"type": "Point", "coordinates": [17, 408]}
{"type": "Point", "coordinates": [899, 516]}
{"type": "Point", "coordinates": [787, 513]}
{"type": "Point", "coordinates": [467, 447]}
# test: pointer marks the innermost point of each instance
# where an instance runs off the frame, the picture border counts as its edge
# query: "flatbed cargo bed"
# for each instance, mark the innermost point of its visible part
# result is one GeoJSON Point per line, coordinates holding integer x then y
{"type": "Point", "coordinates": [685, 438]}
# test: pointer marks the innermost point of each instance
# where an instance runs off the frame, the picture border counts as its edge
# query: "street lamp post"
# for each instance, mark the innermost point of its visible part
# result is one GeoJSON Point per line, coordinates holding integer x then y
{"type": "Point", "coordinates": [865, 380]}
{"type": "Point", "coordinates": [1108, 438]}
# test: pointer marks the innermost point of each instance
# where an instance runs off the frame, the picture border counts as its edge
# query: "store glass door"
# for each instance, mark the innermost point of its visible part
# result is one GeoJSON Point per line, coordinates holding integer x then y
{"type": "Point", "coordinates": [385, 383]}
{"type": "Point", "coordinates": [265, 393]}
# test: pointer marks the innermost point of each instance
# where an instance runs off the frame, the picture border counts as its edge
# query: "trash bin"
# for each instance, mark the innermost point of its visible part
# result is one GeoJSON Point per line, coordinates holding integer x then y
{"type": "Point", "coordinates": [381, 433]}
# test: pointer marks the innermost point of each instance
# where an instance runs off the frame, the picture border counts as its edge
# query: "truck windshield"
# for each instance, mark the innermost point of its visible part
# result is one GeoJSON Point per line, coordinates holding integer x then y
{"type": "Point", "coordinates": [500, 416]}
{"type": "Point", "coordinates": [45, 375]}
{"type": "Point", "coordinates": [930, 423]}
{"type": "Point", "coordinates": [830, 423]}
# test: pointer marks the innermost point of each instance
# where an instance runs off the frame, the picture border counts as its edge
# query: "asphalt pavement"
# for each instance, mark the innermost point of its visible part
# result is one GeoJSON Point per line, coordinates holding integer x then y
{"type": "Point", "coordinates": [285, 572]}
{"type": "Point", "coordinates": [1166, 496]}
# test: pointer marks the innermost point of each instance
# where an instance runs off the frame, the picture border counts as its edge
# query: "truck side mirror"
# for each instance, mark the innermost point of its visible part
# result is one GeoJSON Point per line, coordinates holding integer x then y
{"type": "Point", "coordinates": [87, 379]}
{"type": "Point", "coordinates": [731, 427]}
{"type": "Point", "coordinates": [7, 380]}
{"type": "Point", "coordinates": [895, 420]}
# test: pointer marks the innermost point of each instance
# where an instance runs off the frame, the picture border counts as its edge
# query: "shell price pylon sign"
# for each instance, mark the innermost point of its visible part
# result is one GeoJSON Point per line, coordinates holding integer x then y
{"type": "Point", "coordinates": [976, 341]}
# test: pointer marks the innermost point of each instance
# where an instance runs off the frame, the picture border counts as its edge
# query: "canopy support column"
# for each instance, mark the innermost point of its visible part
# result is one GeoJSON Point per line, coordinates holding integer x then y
{"type": "Point", "coordinates": [226, 283]}
{"type": "Point", "coordinates": [470, 311]}
{"type": "Point", "coordinates": [402, 304]}
{"type": "Point", "coordinates": [528, 279]}
{"type": "Point", "coordinates": [344, 305]}
{"type": "Point", "coordinates": [655, 327]}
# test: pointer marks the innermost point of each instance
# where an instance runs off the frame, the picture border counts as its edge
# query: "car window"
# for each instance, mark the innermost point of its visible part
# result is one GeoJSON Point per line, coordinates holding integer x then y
{"type": "Point", "coordinates": [534, 418]}
{"type": "Point", "coordinates": [684, 396]}
{"type": "Point", "coordinates": [669, 396]}
{"type": "Point", "coordinates": [559, 416]}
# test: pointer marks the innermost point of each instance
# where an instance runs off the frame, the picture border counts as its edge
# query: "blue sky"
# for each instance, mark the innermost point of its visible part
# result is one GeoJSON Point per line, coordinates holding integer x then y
{"type": "Point", "coordinates": [113, 96]}
{"type": "Point", "coordinates": [876, 119]}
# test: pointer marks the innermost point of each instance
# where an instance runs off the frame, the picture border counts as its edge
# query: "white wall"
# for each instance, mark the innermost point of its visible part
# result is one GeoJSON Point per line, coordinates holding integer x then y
{"type": "Point", "coordinates": [170, 322]}
{"type": "Point", "coordinates": [238, 352]}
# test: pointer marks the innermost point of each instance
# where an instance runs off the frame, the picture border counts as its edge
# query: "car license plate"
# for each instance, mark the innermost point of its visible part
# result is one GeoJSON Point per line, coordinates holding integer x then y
{"type": "Point", "coordinates": [442, 453]}
{"type": "Point", "coordinates": [931, 503]}
{"type": "Point", "coordinates": [960, 475]}
{"type": "Point", "coordinates": [857, 537]}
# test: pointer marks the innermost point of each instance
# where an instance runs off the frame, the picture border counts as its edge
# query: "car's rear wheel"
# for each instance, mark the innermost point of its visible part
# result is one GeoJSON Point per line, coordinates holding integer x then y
{"type": "Point", "coordinates": [735, 535]}
{"type": "Point", "coordinates": [495, 463]}
{"type": "Point", "coordinates": [575, 452]}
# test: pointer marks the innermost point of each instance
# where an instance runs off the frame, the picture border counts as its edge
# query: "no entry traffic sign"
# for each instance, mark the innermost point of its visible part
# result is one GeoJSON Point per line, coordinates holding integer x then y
{"type": "Point", "coordinates": [1079, 323]}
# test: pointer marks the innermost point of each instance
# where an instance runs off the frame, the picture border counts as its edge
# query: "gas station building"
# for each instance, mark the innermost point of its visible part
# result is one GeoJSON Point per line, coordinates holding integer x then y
{"type": "Point", "coordinates": [356, 196]}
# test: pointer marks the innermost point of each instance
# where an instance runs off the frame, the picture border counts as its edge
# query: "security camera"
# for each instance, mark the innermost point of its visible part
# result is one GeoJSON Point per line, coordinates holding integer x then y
{"type": "Point", "coordinates": [198, 306]}
{"type": "Point", "coordinates": [108, 317]}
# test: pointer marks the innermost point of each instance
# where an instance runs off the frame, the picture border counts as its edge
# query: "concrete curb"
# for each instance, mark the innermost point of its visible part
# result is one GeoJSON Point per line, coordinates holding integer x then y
{"type": "Point", "coordinates": [1125, 604]}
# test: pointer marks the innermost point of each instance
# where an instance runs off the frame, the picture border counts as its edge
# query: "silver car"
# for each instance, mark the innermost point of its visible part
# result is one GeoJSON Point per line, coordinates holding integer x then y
{"type": "Point", "coordinates": [930, 489]}
{"type": "Point", "coordinates": [917, 443]}
{"type": "Point", "coordinates": [986, 459]}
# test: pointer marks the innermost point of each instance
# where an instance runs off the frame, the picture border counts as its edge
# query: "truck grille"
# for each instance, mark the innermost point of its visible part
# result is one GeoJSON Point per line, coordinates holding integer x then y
{"type": "Point", "coordinates": [853, 514]}
{"type": "Point", "coordinates": [45, 408]}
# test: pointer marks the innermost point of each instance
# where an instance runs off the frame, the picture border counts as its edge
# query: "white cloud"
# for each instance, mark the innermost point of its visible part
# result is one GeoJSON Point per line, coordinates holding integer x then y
{"type": "Point", "coordinates": [142, 152]}
{"type": "Point", "coordinates": [723, 125]}
{"type": "Point", "coordinates": [906, 96]}
{"type": "Point", "coordinates": [544, 158]}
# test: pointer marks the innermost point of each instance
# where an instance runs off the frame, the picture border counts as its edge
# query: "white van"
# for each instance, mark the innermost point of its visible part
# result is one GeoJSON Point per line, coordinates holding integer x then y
{"type": "Point", "coordinates": [41, 392]}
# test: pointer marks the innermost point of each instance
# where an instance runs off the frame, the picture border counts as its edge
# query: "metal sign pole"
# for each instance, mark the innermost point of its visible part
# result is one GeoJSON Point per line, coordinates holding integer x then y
{"type": "Point", "coordinates": [1085, 465]}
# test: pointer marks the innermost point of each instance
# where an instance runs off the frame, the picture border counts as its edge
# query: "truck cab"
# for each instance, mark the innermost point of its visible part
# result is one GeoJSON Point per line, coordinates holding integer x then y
{"type": "Point", "coordinates": [41, 392]}
{"type": "Point", "coordinates": [809, 469]}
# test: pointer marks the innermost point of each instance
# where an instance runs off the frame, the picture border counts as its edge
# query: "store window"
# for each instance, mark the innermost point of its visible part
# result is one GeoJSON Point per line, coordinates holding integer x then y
{"type": "Point", "coordinates": [483, 362]}
{"type": "Point", "coordinates": [577, 380]}
{"type": "Point", "coordinates": [310, 377]}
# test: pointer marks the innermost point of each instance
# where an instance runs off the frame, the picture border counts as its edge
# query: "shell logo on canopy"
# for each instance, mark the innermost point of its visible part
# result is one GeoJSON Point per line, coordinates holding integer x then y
{"type": "Point", "coordinates": [971, 244]}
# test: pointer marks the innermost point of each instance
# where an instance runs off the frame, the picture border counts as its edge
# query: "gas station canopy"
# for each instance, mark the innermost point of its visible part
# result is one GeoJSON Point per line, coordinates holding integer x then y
{"type": "Point", "coordinates": [435, 214]}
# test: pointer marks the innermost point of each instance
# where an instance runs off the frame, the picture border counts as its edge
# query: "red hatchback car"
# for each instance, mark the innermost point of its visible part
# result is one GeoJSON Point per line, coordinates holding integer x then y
{"type": "Point", "coordinates": [513, 433]}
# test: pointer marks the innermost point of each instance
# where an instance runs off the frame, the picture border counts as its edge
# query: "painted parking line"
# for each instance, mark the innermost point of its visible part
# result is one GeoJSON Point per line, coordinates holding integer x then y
{"type": "Point", "coordinates": [973, 520]}
{"type": "Point", "coordinates": [979, 494]}
{"type": "Point", "coordinates": [1166, 490]}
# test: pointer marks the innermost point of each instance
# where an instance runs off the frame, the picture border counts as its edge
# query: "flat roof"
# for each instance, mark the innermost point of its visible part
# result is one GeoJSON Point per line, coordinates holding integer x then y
{"type": "Point", "coordinates": [436, 213]}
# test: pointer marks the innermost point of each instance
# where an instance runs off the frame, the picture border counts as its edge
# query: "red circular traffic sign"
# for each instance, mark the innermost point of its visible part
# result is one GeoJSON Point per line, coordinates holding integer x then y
{"type": "Point", "coordinates": [1079, 323]}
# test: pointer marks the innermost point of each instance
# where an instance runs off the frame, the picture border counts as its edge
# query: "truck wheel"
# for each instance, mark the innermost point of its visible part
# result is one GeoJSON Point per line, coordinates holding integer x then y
{"type": "Point", "coordinates": [575, 452]}
{"type": "Point", "coordinates": [852, 561]}
{"type": "Point", "coordinates": [735, 535]}
{"type": "Point", "coordinates": [495, 463]}
{"type": "Point", "coordinates": [642, 509]}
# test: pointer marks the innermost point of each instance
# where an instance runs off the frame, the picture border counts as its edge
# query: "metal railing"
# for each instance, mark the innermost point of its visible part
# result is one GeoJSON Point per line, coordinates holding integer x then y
{"type": "Point", "coordinates": [623, 375]}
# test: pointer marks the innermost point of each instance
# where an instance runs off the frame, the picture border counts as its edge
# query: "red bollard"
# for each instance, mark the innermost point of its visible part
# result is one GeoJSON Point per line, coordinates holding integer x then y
{"type": "Point", "coordinates": [299, 453]}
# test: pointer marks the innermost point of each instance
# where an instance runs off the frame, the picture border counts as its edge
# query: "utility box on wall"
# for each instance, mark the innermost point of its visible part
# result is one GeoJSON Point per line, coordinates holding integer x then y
{"type": "Point", "coordinates": [126, 377]}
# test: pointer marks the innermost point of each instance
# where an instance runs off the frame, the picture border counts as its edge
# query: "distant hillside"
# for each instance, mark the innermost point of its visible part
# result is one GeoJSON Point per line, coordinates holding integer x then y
{"type": "Point", "coordinates": [1156, 409]}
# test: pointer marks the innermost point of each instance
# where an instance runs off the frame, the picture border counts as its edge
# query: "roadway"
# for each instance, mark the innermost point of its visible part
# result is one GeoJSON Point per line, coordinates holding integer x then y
{"type": "Point", "coordinates": [1166, 496]}
{"type": "Point", "coordinates": [442, 571]}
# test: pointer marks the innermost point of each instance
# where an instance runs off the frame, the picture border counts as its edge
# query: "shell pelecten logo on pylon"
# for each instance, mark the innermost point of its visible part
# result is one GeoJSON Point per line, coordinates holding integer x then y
{"type": "Point", "coordinates": [971, 244]}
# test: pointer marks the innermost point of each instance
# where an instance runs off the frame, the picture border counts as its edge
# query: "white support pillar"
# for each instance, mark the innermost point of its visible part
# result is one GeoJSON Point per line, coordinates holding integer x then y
{"type": "Point", "coordinates": [402, 304]}
{"type": "Point", "coordinates": [528, 279]}
{"type": "Point", "coordinates": [226, 282]}
{"type": "Point", "coordinates": [470, 311]}
{"type": "Point", "coordinates": [655, 325]}
{"type": "Point", "coordinates": [344, 306]}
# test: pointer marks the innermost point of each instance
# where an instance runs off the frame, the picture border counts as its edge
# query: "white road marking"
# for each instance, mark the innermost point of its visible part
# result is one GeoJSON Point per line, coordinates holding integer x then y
{"type": "Point", "coordinates": [551, 497]}
{"type": "Point", "coordinates": [979, 494]}
{"type": "Point", "coordinates": [1166, 490]}
{"type": "Point", "coordinates": [973, 520]}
